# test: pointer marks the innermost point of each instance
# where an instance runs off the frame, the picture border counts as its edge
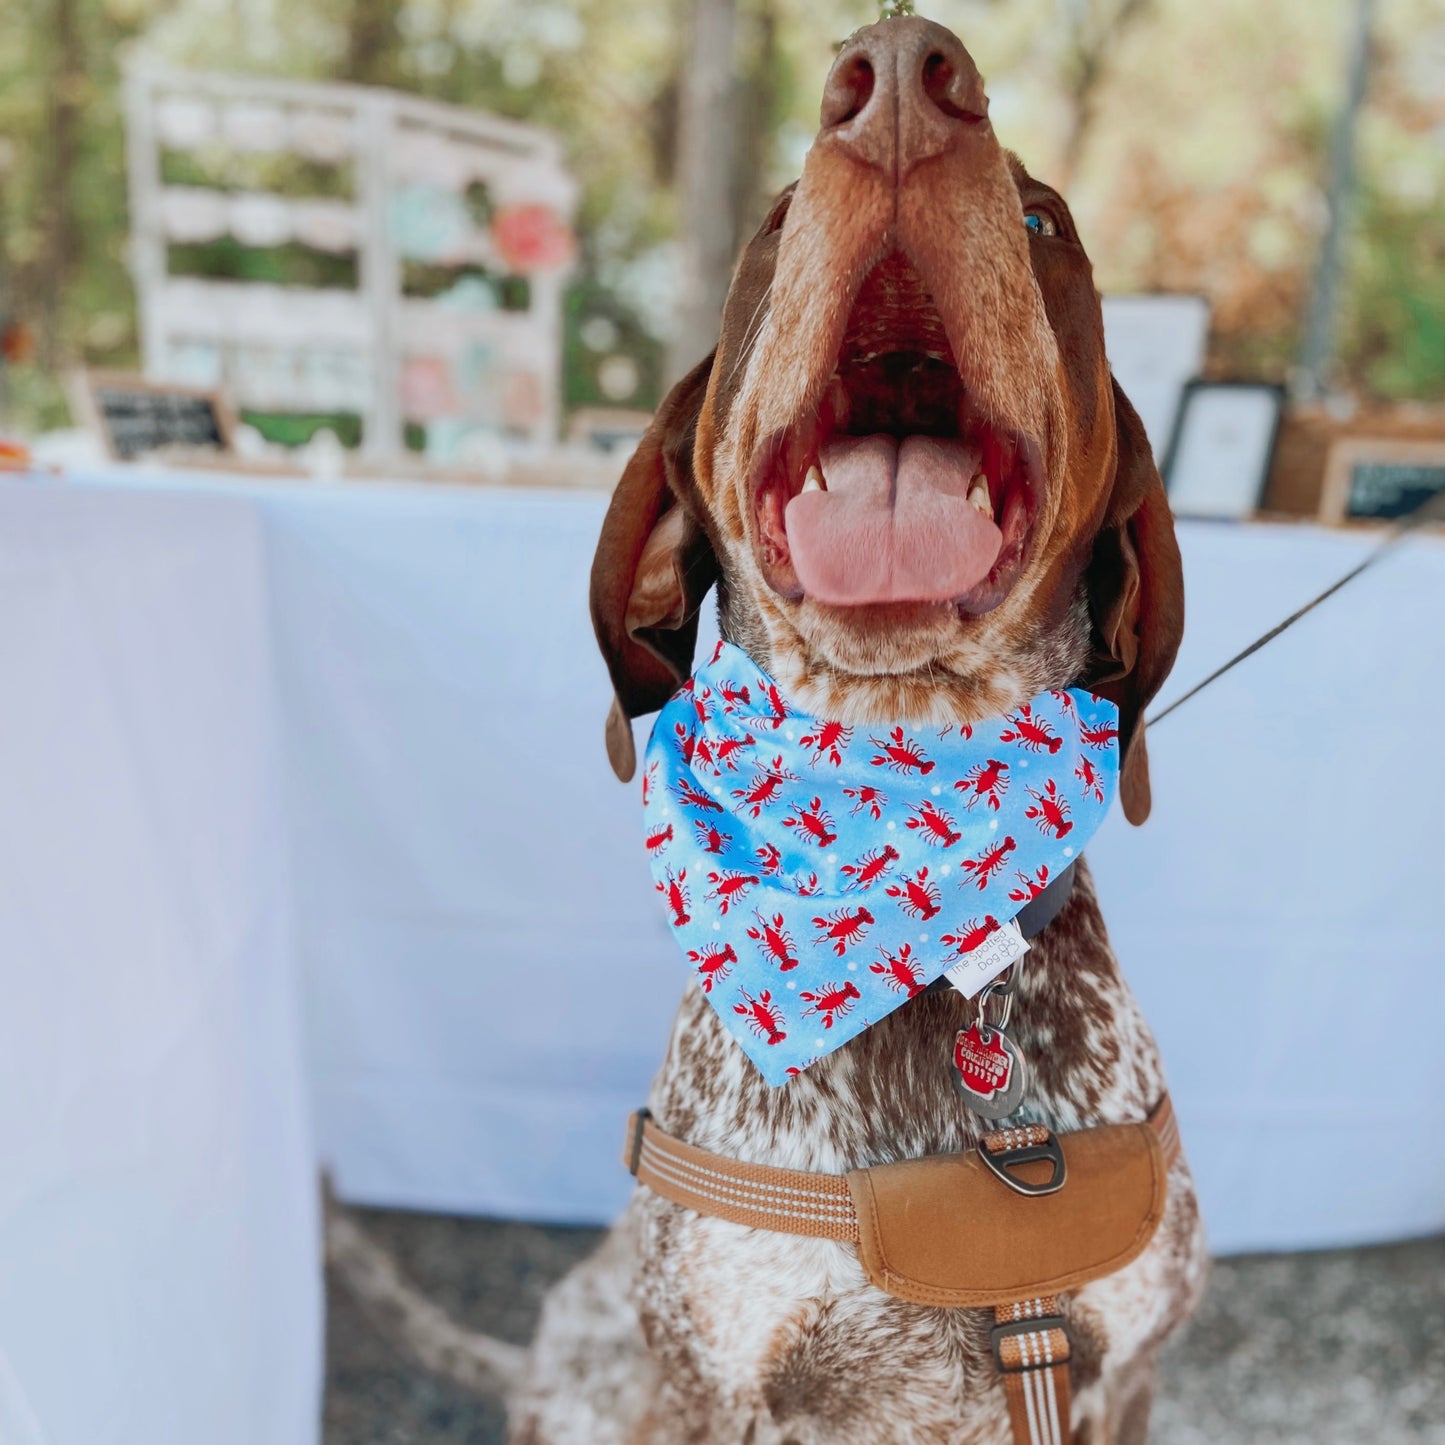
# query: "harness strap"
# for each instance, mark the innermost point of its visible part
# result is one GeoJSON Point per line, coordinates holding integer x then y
{"type": "Point", "coordinates": [1032, 1349]}
{"type": "Point", "coordinates": [790, 1201]}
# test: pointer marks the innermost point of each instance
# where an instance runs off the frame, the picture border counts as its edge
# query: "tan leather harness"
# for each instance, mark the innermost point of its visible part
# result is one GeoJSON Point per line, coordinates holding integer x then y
{"type": "Point", "coordinates": [1011, 1225]}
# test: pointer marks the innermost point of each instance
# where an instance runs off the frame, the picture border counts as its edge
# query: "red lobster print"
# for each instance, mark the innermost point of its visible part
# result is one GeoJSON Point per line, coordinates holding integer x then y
{"type": "Point", "coordinates": [729, 886]}
{"type": "Point", "coordinates": [712, 838]}
{"type": "Point", "coordinates": [982, 868]}
{"type": "Point", "coordinates": [649, 782]}
{"type": "Point", "coordinates": [867, 799]}
{"type": "Point", "coordinates": [1032, 887]}
{"type": "Point", "coordinates": [695, 748]}
{"type": "Point", "coordinates": [916, 896]}
{"type": "Point", "coordinates": [1030, 732]}
{"type": "Point", "coordinates": [932, 825]}
{"type": "Point", "coordinates": [763, 791]}
{"type": "Point", "coordinates": [899, 971]}
{"type": "Point", "coordinates": [714, 962]}
{"type": "Point", "coordinates": [900, 755]}
{"type": "Point", "coordinates": [831, 1001]}
{"type": "Point", "coordinates": [659, 840]}
{"type": "Point", "coordinates": [986, 782]}
{"type": "Point", "coordinates": [733, 696]}
{"type": "Point", "coordinates": [770, 860]}
{"type": "Point", "coordinates": [1065, 700]}
{"type": "Point", "coordinates": [727, 749]}
{"type": "Point", "coordinates": [774, 941]}
{"type": "Point", "coordinates": [674, 889]}
{"type": "Point", "coordinates": [1099, 737]}
{"type": "Point", "coordinates": [965, 731]}
{"type": "Point", "coordinates": [843, 928]}
{"type": "Point", "coordinates": [869, 868]}
{"type": "Point", "coordinates": [1049, 810]}
{"type": "Point", "coordinates": [695, 797]}
{"type": "Point", "coordinates": [829, 741]}
{"type": "Point", "coordinates": [777, 712]}
{"type": "Point", "coordinates": [805, 887]}
{"type": "Point", "coordinates": [1092, 780]}
{"type": "Point", "coordinates": [969, 937]}
{"type": "Point", "coordinates": [700, 706]}
{"type": "Point", "coordinates": [764, 1017]}
{"type": "Point", "coordinates": [814, 823]}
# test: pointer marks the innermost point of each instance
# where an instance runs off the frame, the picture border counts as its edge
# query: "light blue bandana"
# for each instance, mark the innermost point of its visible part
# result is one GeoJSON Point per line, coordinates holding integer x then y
{"type": "Point", "coordinates": [818, 875]}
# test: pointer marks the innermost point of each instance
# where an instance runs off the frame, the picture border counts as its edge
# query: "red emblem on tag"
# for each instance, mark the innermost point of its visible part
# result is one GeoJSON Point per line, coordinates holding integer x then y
{"type": "Point", "coordinates": [985, 1067]}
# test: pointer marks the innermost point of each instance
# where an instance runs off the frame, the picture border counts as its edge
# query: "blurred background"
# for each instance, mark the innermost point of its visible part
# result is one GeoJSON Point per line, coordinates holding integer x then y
{"type": "Point", "coordinates": [326, 328]}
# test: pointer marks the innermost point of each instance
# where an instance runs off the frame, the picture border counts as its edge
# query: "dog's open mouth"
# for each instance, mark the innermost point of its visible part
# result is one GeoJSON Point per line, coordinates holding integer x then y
{"type": "Point", "coordinates": [898, 488]}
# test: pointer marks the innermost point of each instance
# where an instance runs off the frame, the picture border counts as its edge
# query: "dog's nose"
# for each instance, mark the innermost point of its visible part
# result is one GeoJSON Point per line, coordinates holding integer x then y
{"type": "Point", "coordinates": [900, 91]}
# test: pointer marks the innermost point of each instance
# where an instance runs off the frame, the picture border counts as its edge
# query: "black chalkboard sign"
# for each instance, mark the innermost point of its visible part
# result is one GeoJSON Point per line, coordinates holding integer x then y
{"type": "Point", "coordinates": [1381, 479]}
{"type": "Point", "coordinates": [136, 418]}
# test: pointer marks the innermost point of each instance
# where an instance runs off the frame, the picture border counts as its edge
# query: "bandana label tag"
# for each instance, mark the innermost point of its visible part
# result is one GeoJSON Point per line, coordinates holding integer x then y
{"type": "Point", "coordinates": [1005, 945]}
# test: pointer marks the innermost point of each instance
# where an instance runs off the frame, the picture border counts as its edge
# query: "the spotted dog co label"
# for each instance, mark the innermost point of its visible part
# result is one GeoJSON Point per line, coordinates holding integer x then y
{"type": "Point", "coordinates": [990, 1070]}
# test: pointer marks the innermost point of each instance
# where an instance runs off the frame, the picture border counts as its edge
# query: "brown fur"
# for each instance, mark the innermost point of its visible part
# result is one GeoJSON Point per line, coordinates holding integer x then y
{"type": "Point", "coordinates": [690, 1329]}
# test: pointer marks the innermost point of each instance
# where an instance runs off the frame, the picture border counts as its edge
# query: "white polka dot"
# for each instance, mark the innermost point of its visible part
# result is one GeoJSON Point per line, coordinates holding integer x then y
{"type": "Point", "coordinates": [832, 857]}
{"type": "Point", "coordinates": [791, 984]}
{"type": "Point", "coordinates": [1068, 852]}
{"type": "Point", "coordinates": [936, 790]}
{"type": "Point", "coordinates": [820, 1043]}
{"type": "Point", "coordinates": [787, 733]}
{"type": "Point", "coordinates": [946, 869]}
{"type": "Point", "coordinates": [923, 938]}
{"type": "Point", "coordinates": [852, 968]}
{"type": "Point", "coordinates": [892, 826]}
{"type": "Point", "coordinates": [716, 924]}
{"type": "Point", "coordinates": [992, 824]}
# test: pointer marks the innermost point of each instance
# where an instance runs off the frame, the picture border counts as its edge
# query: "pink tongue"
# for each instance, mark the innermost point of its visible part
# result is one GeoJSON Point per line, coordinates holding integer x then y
{"type": "Point", "coordinates": [893, 525]}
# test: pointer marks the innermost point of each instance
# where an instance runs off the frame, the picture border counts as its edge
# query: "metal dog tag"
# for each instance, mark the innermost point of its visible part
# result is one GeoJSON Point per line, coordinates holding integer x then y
{"type": "Point", "coordinates": [991, 1070]}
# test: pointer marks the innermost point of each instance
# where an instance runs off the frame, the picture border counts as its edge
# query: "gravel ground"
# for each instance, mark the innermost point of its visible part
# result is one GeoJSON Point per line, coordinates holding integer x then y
{"type": "Point", "coordinates": [1340, 1348]}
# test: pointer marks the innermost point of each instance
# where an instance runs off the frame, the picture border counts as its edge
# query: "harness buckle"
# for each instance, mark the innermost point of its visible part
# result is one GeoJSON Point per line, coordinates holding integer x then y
{"type": "Point", "coordinates": [1038, 1325]}
{"type": "Point", "coordinates": [1003, 1162]}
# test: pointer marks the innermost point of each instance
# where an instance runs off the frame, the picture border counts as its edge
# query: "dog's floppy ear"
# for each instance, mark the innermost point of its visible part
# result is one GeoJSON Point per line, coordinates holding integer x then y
{"type": "Point", "coordinates": [653, 567]}
{"type": "Point", "coordinates": [1136, 600]}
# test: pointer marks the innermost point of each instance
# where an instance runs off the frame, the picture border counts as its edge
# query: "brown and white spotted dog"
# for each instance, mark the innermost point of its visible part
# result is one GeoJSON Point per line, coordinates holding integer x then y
{"type": "Point", "coordinates": [916, 281]}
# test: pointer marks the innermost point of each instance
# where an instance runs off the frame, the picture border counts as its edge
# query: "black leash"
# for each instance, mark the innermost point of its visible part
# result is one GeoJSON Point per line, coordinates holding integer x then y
{"type": "Point", "coordinates": [1430, 510]}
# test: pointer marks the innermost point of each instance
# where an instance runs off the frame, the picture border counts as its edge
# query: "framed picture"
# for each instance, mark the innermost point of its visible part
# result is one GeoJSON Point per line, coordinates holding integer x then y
{"type": "Point", "coordinates": [1378, 478]}
{"type": "Point", "coordinates": [135, 418]}
{"type": "Point", "coordinates": [1219, 456]}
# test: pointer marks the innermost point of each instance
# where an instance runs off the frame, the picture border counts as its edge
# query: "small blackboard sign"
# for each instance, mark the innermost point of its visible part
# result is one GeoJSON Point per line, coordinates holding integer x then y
{"type": "Point", "coordinates": [136, 418]}
{"type": "Point", "coordinates": [1381, 480]}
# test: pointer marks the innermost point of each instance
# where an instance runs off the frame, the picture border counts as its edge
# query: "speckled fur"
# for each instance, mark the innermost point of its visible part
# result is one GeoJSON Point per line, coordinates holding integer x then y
{"type": "Point", "coordinates": [688, 1330]}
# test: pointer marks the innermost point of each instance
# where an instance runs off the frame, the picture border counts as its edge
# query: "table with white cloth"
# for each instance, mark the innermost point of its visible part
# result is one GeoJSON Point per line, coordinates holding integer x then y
{"type": "Point", "coordinates": [311, 856]}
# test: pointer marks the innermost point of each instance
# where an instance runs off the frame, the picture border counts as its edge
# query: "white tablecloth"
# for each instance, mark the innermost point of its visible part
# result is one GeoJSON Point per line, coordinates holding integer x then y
{"type": "Point", "coordinates": [159, 1271]}
{"type": "Point", "coordinates": [376, 766]}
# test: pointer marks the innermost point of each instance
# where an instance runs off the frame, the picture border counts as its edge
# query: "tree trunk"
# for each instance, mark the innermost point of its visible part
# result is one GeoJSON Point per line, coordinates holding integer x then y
{"type": "Point", "coordinates": [58, 263]}
{"type": "Point", "coordinates": [372, 40]}
{"type": "Point", "coordinates": [707, 229]}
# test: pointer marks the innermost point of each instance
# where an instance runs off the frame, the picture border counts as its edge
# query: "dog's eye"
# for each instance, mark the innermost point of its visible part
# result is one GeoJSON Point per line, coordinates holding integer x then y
{"type": "Point", "coordinates": [1040, 223]}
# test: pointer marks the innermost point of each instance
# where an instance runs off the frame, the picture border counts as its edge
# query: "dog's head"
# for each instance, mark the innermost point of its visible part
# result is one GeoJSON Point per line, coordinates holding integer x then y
{"type": "Point", "coordinates": [906, 464]}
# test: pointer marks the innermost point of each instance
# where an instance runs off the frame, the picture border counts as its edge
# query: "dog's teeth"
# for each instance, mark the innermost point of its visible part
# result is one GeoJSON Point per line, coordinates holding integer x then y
{"type": "Point", "coordinates": [978, 496]}
{"type": "Point", "coordinates": [813, 482]}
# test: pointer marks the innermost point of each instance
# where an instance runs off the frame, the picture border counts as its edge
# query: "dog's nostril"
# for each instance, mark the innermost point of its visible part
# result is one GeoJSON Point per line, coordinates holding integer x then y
{"type": "Point", "coordinates": [949, 91]}
{"type": "Point", "coordinates": [850, 87]}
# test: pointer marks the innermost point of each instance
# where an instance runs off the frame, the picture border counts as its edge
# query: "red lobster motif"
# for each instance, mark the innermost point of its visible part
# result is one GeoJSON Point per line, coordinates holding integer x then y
{"type": "Point", "coordinates": [899, 971]}
{"type": "Point", "coordinates": [831, 1001]}
{"type": "Point", "coordinates": [659, 840]}
{"type": "Point", "coordinates": [774, 941]}
{"type": "Point", "coordinates": [727, 749]}
{"type": "Point", "coordinates": [695, 748]}
{"type": "Point", "coordinates": [968, 937]}
{"type": "Point", "coordinates": [674, 889]}
{"type": "Point", "coordinates": [843, 928]}
{"type": "Point", "coordinates": [767, 783]}
{"type": "Point", "coordinates": [932, 825]}
{"type": "Point", "coordinates": [813, 823]}
{"type": "Point", "coordinates": [900, 755]}
{"type": "Point", "coordinates": [770, 860]}
{"type": "Point", "coordinates": [649, 782]}
{"type": "Point", "coordinates": [1032, 887]}
{"type": "Point", "coordinates": [986, 782]}
{"type": "Point", "coordinates": [764, 1017]}
{"type": "Point", "coordinates": [729, 886]}
{"type": "Point", "coordinates": [712, 838]}
{"type": "Point", "coordinates": [1099, 737]}
{"type": "Point", "coordinates": [805, 887]}
{"type": "Point", "coordinates": [713, 962]}
{"type": "Point", "coordinates": [869, 868]}
{"type": "Point", "coordinates": [916, 896]}
{"type": "Point", "coordinates": [733, 696]}
{"type": "Point", "coordinates": [1049, 810]}
{"type": "Point", "coordinates": [829, 741]}
{"type": "Point", "coordinates": [982, 868]}
{"type": "Point", "coordinates": [1065, 700]}
{"type": "Point", "coordinates": [1029, 732]}
{"type": "Point", "coordinates": [695, 797]}
{"type": "Point", "coordinates": [1091, 778]}
{"type": "Point", "coordinates": [864, 798]}
{"type": "Point", "coordinates": [777, 712]}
